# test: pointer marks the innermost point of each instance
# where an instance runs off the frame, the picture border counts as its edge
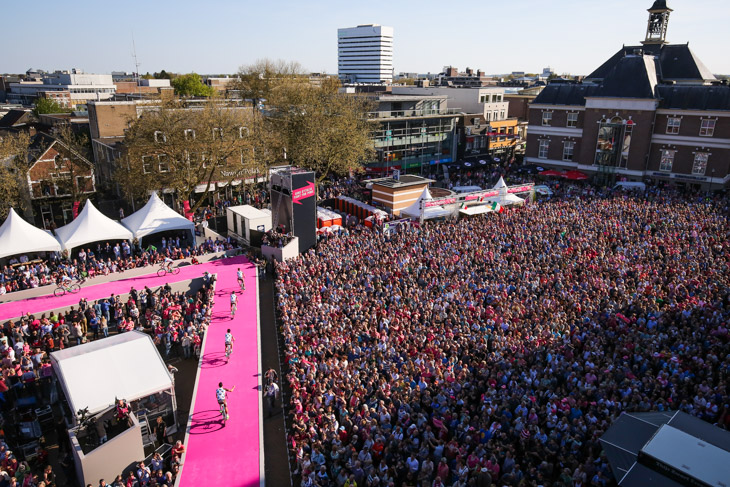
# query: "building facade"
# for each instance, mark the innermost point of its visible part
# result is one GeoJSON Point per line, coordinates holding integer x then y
{"type": "Point", "coordinates": [365, 54]}
{"type": "Point", "coordinates": [58, 177]}
{"type": "Point", "coordinates": [415, 133]}
{"type": "Point", "coordinates": [650, 112]}
{"type": "Point", "coordinates": [72, 88]}
{"type": "Point", "coordinates": [488, 102]}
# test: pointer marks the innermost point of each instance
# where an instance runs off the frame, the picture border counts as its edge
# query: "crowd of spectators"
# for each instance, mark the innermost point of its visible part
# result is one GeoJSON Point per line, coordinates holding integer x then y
{"type": "Point", "coordinates": [496, 351]}
{"type": "Point", "coordinates": [177, 322]}
{"type": "Point", "coordinates": [104, 260]}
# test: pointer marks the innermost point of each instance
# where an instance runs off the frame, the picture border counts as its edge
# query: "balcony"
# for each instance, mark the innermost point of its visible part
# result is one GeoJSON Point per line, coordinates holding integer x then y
{"type": "Point", "coordinates": [385, 114]}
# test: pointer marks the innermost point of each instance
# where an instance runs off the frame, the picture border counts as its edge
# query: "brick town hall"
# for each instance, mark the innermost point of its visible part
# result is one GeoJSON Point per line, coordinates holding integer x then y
{"type": "Point", "coordinates": [651, 112]}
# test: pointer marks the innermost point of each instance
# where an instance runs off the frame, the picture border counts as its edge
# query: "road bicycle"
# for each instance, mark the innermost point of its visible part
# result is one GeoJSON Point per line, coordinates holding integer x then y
{"type": "Point", "coordinates": [222, 408]}
{"type": "Point", "coordinates": [163, 270]}
{"type": "Point", "coordinates": [72, 287]}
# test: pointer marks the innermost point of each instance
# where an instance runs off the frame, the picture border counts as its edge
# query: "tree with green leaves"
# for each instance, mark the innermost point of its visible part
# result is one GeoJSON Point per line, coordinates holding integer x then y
{"type": "Point", "coordinates": [178, 148]}
{"type": "Point", "coordinates": [320, 128]}
{"type": "Point", "coordinates": [13, 167]}
{"type": "Point", "coordinates": [46, 105]}
{"type": "Point", "coordinates": [255, 81]}
{"type": "Point", "coordinates": [191, 85]}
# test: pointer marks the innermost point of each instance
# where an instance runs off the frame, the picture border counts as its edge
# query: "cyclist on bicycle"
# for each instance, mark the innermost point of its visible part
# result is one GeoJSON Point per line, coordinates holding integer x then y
{"type": "Point", "coordinates": [229, 342]}
{"type": "Point", "coordinates": [234, 303]}
{"type": "Point", "coordinates": [167, 264]}
{"type": "Point", "coordinates": [220, 394]}
{"type": "Point", "coordinates": [241, 281]}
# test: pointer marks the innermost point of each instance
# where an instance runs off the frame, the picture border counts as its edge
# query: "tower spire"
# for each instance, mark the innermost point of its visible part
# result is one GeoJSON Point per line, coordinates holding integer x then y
{"type": "Point", "coordinates": [656, 29]}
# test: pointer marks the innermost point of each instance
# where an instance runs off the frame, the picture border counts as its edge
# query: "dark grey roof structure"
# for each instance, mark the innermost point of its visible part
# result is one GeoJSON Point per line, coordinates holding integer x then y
{"type": "Point", "coordinates": [677, 63]}
{"type": "Point", "coordinates": [636, 451]}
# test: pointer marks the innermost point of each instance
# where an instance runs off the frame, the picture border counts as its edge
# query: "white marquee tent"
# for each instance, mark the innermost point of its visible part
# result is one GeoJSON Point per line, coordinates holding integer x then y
{"type": "Point", "coordinates": [124, 366]}
{"type": "Point", "coordinates": [155, 217]}
{"type": "Point", "coordinates": [17, 236]}
{"type": "Point", "coordinates": [505, 198]}
{"type": "Point", "coordinates": [91, 226]}
{"type": "Point", "coordinates": [415, 210]}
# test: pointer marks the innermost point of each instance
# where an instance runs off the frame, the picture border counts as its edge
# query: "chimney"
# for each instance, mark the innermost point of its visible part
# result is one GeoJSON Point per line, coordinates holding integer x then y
{"type": "Point", "coordinates": [480, 73]}
{"type": "Point", "coordinates": [452, 72]}
{"type": "Point", "coordinates": [469, 72]}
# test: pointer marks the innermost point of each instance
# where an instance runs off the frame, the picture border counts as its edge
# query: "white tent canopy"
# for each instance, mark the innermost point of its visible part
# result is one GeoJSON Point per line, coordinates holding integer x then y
{"type": "Point", "coordinates": [415, 211]}
{"type": "Point", "coordinates": [125, 366]}
{"type": "Point", "coordinates": [17, 236]}
{"type": "Point", "coordinates": [155, 217]}
{"type": "Point", "coordinates": [507, 199]}
{"type": "Point", "coordinates": [91, 226]}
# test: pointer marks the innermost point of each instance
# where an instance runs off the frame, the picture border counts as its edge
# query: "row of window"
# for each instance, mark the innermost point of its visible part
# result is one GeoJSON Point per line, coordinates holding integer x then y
{"type": "Point", "coordinates": [547, 119]}
{"type": "Point", "coordinates": [568, 149]}
{"type": "Point", "coordinates": [490, 99]}
{"type": "Point", "coordinates": [707, 126]}
{"type": "Point", "coordinates": [699, 165]}
{"type": "Point", "coordinates": [190, 134]}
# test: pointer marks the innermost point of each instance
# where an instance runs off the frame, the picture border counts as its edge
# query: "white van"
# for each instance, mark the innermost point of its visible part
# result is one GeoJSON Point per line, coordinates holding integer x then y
{"type": "Point", "coordinates": [466, 189]}
{"type": "Point", "coordinates": [630, 185]}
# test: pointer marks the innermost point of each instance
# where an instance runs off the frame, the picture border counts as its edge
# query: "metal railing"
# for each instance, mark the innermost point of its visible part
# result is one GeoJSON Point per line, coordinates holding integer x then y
{"type": "Point", "coordinates": [413, 113]}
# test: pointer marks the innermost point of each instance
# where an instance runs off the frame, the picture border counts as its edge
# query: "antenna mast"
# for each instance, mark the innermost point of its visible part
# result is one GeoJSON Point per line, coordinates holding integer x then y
{"type": "Point", "coordinates": [136, 65]}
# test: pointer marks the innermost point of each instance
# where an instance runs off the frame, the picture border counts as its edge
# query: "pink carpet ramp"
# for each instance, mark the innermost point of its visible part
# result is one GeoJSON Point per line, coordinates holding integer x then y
{"type": "Point", "coordinates": [230, 455]}
{"type": "Point", "coordinates": [216, 455]}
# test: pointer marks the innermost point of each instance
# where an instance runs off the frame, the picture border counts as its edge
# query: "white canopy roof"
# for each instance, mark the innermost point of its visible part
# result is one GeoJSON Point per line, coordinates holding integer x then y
{"type": "Point", "coordinates": [124, 366]}
{"type": "Point", "coordinates": [511, 199]}
{"type": "Point", "coordinates": [17, 236]}
{"type": "Point", "coordinates": [154, 217]}
{"type": "Point", "coordinates": [506, 198]}
{"type": "Point", "coordinates": [476, 210]}
{"type": "Point", "coordinates": [414, 210]}
{"type": "Point", "coordinates": [91, 226]}
{"type": "Point", "coordinates": [500, 184]}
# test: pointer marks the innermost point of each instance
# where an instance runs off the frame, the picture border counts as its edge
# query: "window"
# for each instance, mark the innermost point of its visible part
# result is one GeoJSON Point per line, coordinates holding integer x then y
{"type": "Point", "coordinates": [243, 132]}
{"type": "Point", "coordinates": [162, 163]}
{"type": "Point", "coordinates": [572, 119]}
{"type": "Point", "coordinates": [673, 124]}
{"type": "Point", "coordinates": [547, 118]}
{"type": "Point", "coordinates": [189, 134]}
{"type": "Point", "coordinates": [707, 129]}
{"type": "Point", "coordinates": [665, 164]}
{"type": "Point", "coordinates": [146, 164]}
{"type": "Point", "coordinates": [484, 99]}
{"type": "Point", "coordinates": [542, 153]}
{"type": "Point", "coordinates": [217, 132]}
{"type": "Point", "coordinates": [160, 137]}
{"type": "Point", "coordinates": [568, 148]}
{"type": "Point", "coordinates": [700, 164]}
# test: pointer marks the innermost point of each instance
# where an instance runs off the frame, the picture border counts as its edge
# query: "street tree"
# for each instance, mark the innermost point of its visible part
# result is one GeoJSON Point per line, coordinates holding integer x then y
{"type": "Point", "coordinates": [191, 85]}
{"type": "Point", "coordinates": [320, 128]}
{"type": "Point", "coordinates": [180, 148]}
{"type": "Point", "coordinates": [13, 164]}
{"type": "Point", "coordinates": [75, 156]}
{"type": "Point", "coordinates": [46, 105]}
{"type": "Point", "coordinates": [255, 81]}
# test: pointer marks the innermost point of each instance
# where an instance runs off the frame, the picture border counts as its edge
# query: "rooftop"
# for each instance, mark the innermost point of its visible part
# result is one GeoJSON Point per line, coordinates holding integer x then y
{"type": "Point", "coordinates": [402, 182]}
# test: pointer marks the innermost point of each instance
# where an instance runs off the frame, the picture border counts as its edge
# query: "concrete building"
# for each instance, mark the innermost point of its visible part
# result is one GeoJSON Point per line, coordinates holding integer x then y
{"type": "Point", "coordinates": [365, 54]}
{"type": "Point", "coordinates": [73, 88]}
{"type": "Point", "coordinates": [486, 101]}
{"type": "Point", "coordinates": [650, 112]}
{"type": "Point", "coordinates": [416, 133]}
{"type": "Point", "coordinates": [452, 77]}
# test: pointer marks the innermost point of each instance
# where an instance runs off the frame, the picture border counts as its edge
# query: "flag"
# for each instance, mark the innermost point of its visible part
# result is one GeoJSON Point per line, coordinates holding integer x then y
{"type": "Point", "coordinates": [496, 207]}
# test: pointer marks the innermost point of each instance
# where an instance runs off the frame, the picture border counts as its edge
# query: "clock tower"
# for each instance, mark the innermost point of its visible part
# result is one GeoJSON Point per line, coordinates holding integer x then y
{"type": "Point", "coordinates": [656, 30]}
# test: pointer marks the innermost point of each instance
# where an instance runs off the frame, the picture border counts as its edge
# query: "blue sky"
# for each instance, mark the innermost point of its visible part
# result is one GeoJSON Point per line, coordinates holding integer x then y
{"type": "Point", "coordinates": [218, 36]}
